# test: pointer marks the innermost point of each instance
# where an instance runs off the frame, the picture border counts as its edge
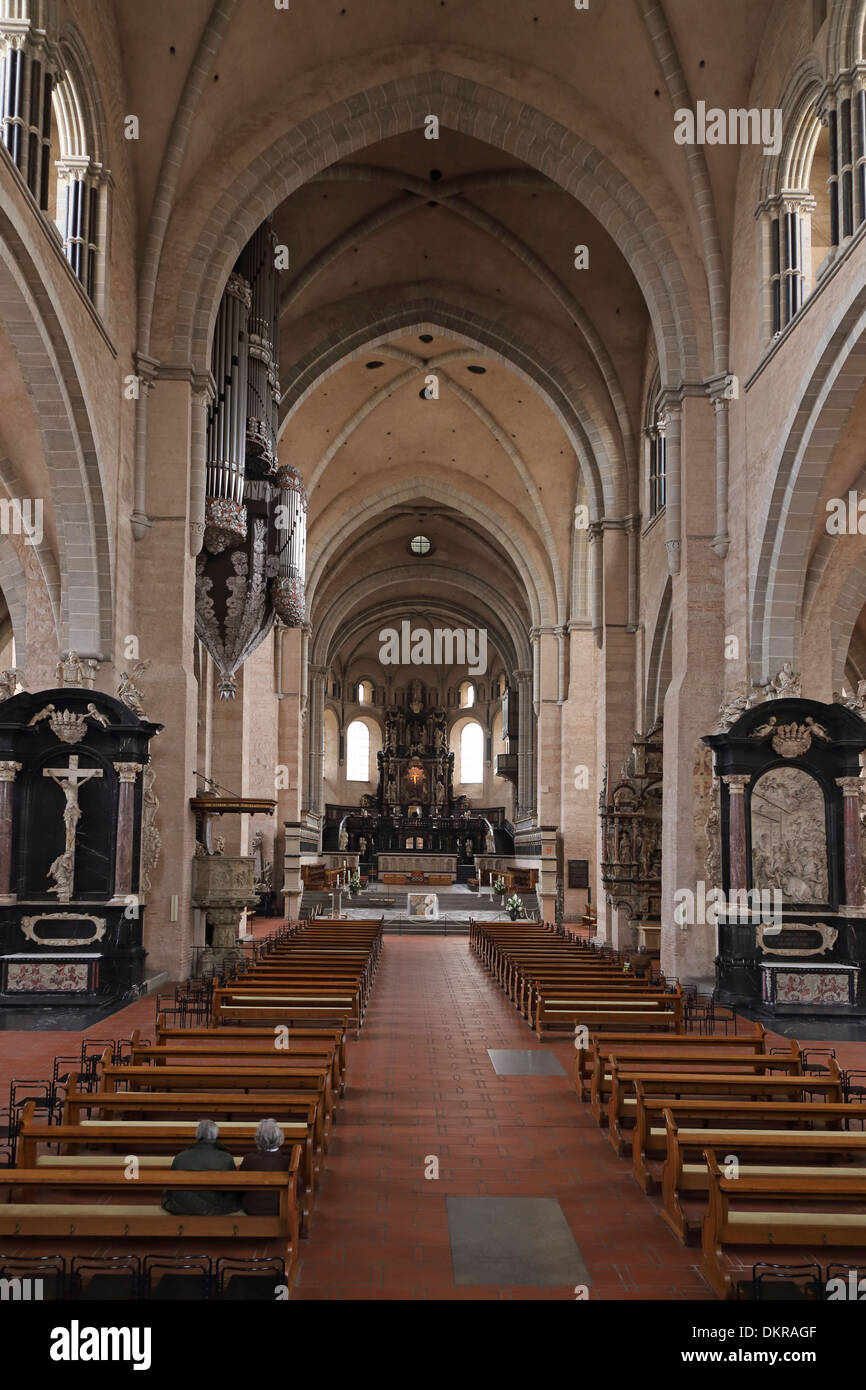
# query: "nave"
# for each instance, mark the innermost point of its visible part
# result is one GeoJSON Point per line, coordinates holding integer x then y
{"type": "Point", "coordinates": [421, 1085]}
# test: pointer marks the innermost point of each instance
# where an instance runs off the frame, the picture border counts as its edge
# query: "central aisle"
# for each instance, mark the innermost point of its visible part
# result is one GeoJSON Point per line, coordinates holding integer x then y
{"type": "Point", "coordinates": [421, 1084]}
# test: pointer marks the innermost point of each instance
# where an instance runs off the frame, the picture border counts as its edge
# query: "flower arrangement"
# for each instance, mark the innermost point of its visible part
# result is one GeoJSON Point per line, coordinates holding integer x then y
{"type": "Point", "coordinates": [514, 907]}
{"type": "Point", "coordinates": [499, 885]}
{"type": "Point", "coordinates": [354, 884]}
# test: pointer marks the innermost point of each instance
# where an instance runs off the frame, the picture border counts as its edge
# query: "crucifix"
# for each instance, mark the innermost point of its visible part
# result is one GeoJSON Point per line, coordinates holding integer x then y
{"type": "Point", "coordinates": [68, 779]}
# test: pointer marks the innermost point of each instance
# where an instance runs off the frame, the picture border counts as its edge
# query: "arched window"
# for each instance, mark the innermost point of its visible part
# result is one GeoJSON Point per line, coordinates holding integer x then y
{"type": "Point", "coordinates": [80, 201]}
{"type": "Point", "coordinates": [364, 693]}
{"type": "Point", "coordinates": [357, 752]}
{"type": "Point", "coordinates": [472, 753]}
{"type": "Point", "coordinates": [467, 695]}
{"type": "Point", "coordinates": [656, 460]}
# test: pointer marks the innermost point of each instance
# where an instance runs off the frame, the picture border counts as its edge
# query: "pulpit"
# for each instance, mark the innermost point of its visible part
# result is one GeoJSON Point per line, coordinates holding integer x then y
{"type": "Point", "coordinates": [77, 843]}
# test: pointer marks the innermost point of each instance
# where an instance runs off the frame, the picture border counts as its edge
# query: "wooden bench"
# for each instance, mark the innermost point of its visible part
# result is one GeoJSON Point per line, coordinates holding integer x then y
{"type": "Point", "coordinates": [622, 1102]}
{"type": "Point", "coordinates": [610, 1007]}
{"type": "Point", "coordinates": [604, 1045]}
{"type": "Point", "coordinates": [89, 1142]}
{"type": "Point", "coordinates": [791, 1209]}
{"type": "Point", "coordinates": [803, 1152]}
{"type": "Point", "coordinates": [249, 1039]}
{"type": "Point", "coordinates": [125, 1218]}
{"type": "Point", "coordinates": [696, 1058]}
{"type": "Point", "coordinates": [273, 1053]}
{"type": "Point", "coordinates": [300, 1106]}
{"type": "Point", "coordinates": [649, 1136]}
{"type": "Point", "coordinates": [210, 1076]}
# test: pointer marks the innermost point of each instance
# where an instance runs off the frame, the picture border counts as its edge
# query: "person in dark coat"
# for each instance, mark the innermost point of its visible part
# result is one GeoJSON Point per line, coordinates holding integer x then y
{"type": "Point", "coordinates": [205, 1156]}
{"type": "Point", "coordinates": [269, 1156]}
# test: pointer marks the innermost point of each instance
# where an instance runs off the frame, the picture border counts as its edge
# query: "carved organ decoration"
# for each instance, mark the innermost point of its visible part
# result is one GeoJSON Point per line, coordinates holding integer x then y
{"type": "Point", "coordinates": [631, 822]}
{"type": "Point", "coordinates": [252, 566]}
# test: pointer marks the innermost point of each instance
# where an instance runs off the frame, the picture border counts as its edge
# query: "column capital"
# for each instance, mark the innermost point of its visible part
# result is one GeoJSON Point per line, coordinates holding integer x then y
{"type": "Point", "coordinates": [737, 783]}
{"type": "Point", "coordinates": [8, 771]}
{"type": "Point", "coordinates": [850, 786]}
{"type": "Point", "coordinates": [127, 772]}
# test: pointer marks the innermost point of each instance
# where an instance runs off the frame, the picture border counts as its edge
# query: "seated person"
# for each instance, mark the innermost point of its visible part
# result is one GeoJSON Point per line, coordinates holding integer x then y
{"type": "Point", "coordinates": [205, 1156]}
{"type": "Point", "coordinates": [269, 1156]}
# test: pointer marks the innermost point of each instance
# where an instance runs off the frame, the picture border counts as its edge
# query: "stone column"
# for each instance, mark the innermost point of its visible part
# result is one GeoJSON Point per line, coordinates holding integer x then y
{"type": "Point", "coordinates": [692, 700]}
{"type": "Point", "coordinates": [737, 859]}
{"type": "Point", "coordinates": [8, 772]}
{"type": "Point", "coordinates": [523, 682]}
{"type": "Point", "coordinates": [670, 425]}
{"type": "Point", "coordinates": [127, 772]}
{"type": "Point", "coordinates": [163, 587]}
{"type": "Point", "coordinates": [316, 738]}
{"type": "Point", "coordinates": [852, 841]}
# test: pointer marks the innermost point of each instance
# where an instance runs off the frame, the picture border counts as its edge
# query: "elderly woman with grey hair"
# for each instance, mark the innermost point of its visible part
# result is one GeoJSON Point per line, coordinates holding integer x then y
{"type": "Point", "coordinates": [270, 1156]}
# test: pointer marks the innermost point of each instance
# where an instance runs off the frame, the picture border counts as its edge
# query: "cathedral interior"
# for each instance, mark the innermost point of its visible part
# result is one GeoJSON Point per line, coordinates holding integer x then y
{"type": "Point", "coordinates": [433, 636]}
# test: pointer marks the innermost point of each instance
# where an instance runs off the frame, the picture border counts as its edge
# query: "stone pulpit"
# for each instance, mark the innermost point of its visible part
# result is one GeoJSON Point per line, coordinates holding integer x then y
{"type": "Point", "coordinates": [784, 837]}
{"type": "Point", "coordinates": [76, 845]}
{"type": "Point", "coordinates": [223, 885]}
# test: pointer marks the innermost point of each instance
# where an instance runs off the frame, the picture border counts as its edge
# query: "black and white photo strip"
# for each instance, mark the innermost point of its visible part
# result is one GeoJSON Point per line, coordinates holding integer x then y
{"type": "Point", "coordinates": [432, 685]}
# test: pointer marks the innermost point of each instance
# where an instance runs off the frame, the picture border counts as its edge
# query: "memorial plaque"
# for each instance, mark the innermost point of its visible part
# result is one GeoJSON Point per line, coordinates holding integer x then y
{"type": "Point", "coordinates": [578, 873]}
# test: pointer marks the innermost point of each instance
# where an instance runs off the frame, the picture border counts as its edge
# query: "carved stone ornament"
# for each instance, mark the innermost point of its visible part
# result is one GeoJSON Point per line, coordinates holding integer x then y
{"type": "Point", "coordinates": [128, 693]}
{"type": "Point", "coordinates": [75, 672]}
{"type": "Point", "coordinates": [857, 702]}
{"type": "Point", "coordinates": [791, 740]}
{"type": "Point", "coordinates": [151, 841]}
{"type": "Point", "coordinates": [28, 927]}
{"type": "Point", "coordinates": [68, 726]}
{"type": "Point", "coordinates": [786, 685]}
{"type": "Point", "coordinates": [827, 933]}
{"type": "Point", "coordinates": [738, 704]}
{"type": "Point", "coordinates": [9, 682]}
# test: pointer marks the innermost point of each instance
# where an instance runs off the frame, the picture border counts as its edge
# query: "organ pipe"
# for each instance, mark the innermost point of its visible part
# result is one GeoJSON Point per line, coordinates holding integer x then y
{"type": "Point", "coordinates": [225, 515]}
{"type": "Point", "coordinates": [287, 588]}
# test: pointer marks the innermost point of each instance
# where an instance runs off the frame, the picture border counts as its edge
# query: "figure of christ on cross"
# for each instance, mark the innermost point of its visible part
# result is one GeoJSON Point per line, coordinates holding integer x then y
{"type": "Point", "coordinates": [68, 779]}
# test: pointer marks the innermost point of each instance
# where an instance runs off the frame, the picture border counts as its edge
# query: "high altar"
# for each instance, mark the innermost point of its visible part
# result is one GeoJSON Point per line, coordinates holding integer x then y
{"type": "Point", "coordinates": [414, 813]}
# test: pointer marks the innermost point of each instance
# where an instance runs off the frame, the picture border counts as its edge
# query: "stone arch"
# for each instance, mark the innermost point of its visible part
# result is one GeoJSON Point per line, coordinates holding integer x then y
{"type": "Point", "coordinates": [462, 105]}
{"type": "Point", "coordinates": [362, 326]}
{"type": "Point", "coordinates": [320, 554]}
{"type": "Point", "coordinates": [41, 344]}
{"type": "Point", "coordinates": [509, 635]}
{"type": "Point", "coordinates": [813, 430]}
{"type": "Point", "coordinates": [846, 36]}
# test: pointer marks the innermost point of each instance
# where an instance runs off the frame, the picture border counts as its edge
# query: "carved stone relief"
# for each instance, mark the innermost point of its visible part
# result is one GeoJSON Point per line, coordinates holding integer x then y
{"type": "Point", "coordinates": [789, 839]}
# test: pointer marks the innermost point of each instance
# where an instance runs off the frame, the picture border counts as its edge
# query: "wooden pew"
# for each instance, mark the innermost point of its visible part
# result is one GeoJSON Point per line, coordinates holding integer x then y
{"type": "Point", "coordinates": [87, 1143]}
{"type": "Point", "coordinates": [301, 1106]}
{"type": "Point", "coordinates": [296, 1003]}
{"type": "Point", "coordinates": [309, 1053]}
{"type": "Point", "coordinates": [649, 1136]}
{"type": "Point", "coordinates": [696, 1058]}
{"type": "Point", "coordinates": [123, 1217]}
{"type": "Point", "coordinates": [249, 1039]}
{"type": "Point", "coordinates": [604, 1045]}
{"type": "Point", "coordinates": [622, 1102]}
{"type": "Point", "coordinates": [210, 1076]}
{"type": "Point", "coordinates": [611, 1007]}
{"type": "Point", "coordinates": [782, 1151]}
{"type": "Point", "coordinates": [795, 1209]}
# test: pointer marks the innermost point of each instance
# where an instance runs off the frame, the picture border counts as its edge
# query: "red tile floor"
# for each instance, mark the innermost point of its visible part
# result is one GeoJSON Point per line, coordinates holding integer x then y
{"type": "Point", "coordinates": [421, 1085]}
